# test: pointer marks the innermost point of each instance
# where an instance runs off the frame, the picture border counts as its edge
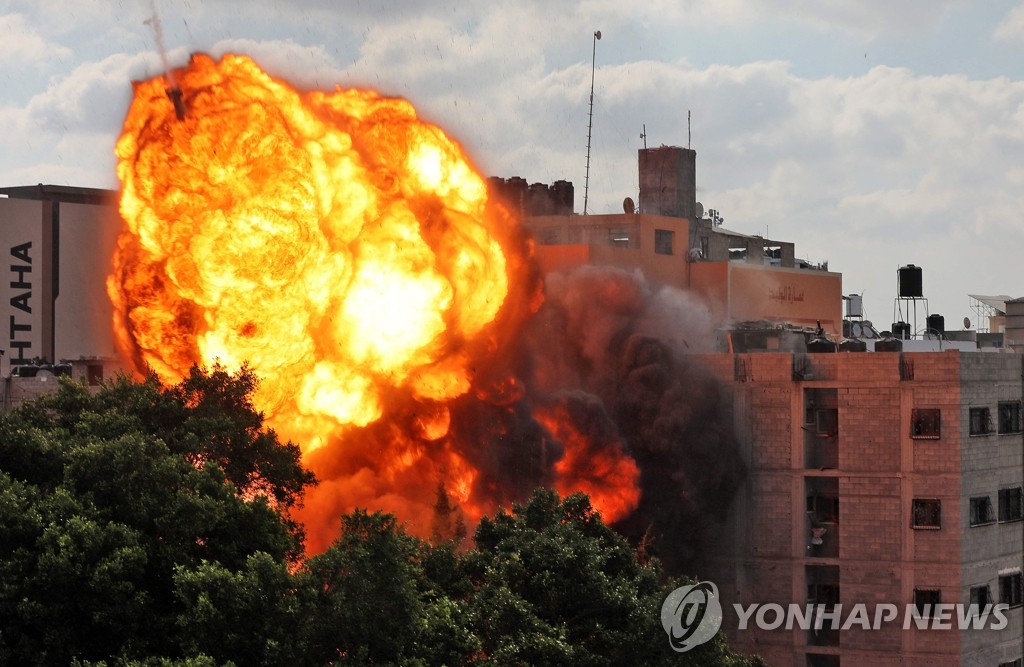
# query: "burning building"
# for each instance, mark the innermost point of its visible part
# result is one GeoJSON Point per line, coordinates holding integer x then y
{"type": "Point", "coordinates": [877, 470]}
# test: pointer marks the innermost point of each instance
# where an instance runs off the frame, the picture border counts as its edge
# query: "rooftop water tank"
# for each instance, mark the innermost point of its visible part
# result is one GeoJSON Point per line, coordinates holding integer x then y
{"type": "Point", "coordinates": [910, 281]}
{"type": "Point", "coordinates": [820, 345]}
{"type": "Point", "coordinates": [901, 330]}
{"type": "Point", "coordinates": [853, 345]}
{"type": "Point", "coordinates": [888, 345]}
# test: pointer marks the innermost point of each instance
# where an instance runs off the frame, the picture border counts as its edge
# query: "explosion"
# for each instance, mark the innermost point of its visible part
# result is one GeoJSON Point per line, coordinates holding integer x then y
{"type": "Point", "coordinates": [349, 254]}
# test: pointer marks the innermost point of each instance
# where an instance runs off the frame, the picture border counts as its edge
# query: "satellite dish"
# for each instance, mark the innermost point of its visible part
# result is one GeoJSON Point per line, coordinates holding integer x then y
{"type": "Point", "coordinates": [628, 206]}
{"type": "Point", "coordinates": [698, 210]}
{"type": "Point", "coordinates": [857, 329]}
{"type": "Point", "coordinates": [967, 323]}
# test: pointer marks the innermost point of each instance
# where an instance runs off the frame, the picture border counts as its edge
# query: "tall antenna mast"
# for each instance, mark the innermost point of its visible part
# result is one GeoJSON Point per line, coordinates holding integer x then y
{"type": "Point", "coordinates": [688, 129]}
{"type": "Point", "coordinates": [590, 122]}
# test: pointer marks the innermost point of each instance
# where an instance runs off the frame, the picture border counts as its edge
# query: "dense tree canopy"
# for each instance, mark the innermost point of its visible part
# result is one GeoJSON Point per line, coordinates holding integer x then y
{"type": "Point", "coordinates": [148, 526]}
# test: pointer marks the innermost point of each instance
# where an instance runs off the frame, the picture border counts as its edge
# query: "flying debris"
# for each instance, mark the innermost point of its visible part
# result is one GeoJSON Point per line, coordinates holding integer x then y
{"type": "Point", "coordinates": [176, 99]}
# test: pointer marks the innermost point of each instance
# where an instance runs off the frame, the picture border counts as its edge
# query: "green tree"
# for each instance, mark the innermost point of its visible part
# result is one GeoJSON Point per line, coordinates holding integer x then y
{"type": "Point", "coordinates": [365, 594]}
{"type": "Point", "coordinates": [553, 585]}
{"type": "Point", "coordinates": [108, 498]}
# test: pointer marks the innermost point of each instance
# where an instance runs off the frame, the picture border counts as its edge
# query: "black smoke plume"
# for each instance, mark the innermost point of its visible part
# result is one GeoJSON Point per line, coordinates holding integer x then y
{"type": "Point", "coordinates": [614, 352]}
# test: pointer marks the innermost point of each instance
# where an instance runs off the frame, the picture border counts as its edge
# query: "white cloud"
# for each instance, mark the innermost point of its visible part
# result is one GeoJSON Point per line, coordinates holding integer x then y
{"type": "Point", "coordinates": [1011, 28]}
{"type": "Point", "coordinates": [23, 45]}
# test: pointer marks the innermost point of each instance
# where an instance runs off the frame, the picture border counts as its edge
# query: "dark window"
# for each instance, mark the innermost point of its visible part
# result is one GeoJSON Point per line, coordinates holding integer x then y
{"type": "Point", "coordinates": [981, 421]}
{"type": "Point", "coordinates": [818, 660]}
{"type": "Point", "coordinates": [1009, 417]}
{"type": "Point", "coordinates": [981, 511]}
{"type": "Point", "coordinates": [981, 598]}
{"type": "Point", "coordinates": [704, 248]}
{"type": "Point", "coordinates": [94, 373]}
{"type": "Point", "coordinates": [823, 509]}
{"type": "Point", "coordinates": [827, 422]}
{"type": "Point", "coordinates": [927, 513]}
{"type": "Point", "coordinates": [925, 601]}
{"type": "Point", "coordinates": [663, 241]}
{"type": "Point", "coordinates": [1019, 662]}
{"type": "Point", "coordinates": [1010, 590]}
{"type": "Point", "coordinates": [1010, 506]}
{"type": "Point", "coordinates": [826, 594]}
{"type": "Point", "coordinates": [924, 423]}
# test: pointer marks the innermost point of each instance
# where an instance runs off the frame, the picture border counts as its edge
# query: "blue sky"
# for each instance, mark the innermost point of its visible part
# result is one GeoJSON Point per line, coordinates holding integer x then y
{"type": "Point", "coordinates": [872, 134]}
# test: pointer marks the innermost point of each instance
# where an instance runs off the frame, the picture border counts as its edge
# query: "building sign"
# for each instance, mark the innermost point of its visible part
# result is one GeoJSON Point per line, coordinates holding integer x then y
{"type": "Point", "coordinates": [21, 223]}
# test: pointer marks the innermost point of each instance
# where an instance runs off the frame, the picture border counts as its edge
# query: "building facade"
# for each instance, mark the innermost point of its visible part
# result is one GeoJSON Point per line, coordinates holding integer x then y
{"type": "Point", "coordinates": [877, 478]}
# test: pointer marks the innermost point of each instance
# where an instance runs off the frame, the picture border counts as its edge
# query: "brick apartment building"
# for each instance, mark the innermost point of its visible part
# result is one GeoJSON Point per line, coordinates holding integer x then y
{"type": "Point", "coordinates": [875, 477]}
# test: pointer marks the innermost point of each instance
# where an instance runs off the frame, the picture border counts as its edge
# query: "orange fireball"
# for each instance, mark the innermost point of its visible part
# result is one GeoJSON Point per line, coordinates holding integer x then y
{"type": "Point", "coordinates": [347, 251]}
{"type": "Point", "coordinates": [335, 242]}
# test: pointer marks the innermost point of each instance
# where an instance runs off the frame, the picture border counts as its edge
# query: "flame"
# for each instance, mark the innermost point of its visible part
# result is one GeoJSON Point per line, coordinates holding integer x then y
{"type": "Point", "coordinates": [594, 462]}
{"type": "Point", "coordinates": [344, 249]}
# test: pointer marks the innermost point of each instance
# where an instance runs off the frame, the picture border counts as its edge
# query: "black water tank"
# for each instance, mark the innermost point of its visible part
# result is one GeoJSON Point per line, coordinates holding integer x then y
{"type": "Point", "coordinates": [820, 345]}
{"type": "Point", "coordinates": [853, 345]}
{"type": "Point", "coordinates": [936, 324]}
{"type": "Point", "coordinates": [901, 330]}
{"type": "Point", "coordinates": [889, 345]}
{"type": "Point", "coordinates": [910, 281]}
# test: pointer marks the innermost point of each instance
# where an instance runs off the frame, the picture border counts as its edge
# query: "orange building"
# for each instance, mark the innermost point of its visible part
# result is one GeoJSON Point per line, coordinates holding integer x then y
{"type": "Point", "coordinates": [739, 277]}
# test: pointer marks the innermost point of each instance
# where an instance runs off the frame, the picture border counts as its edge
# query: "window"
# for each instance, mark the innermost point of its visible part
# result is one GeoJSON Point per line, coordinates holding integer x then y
{"type": "Point", "coordinates": [1009, 417]}
{"type": "Point", "coordinates": [981, 598]}
{"type": "Point", "coordinates": [981, 511]}
{"type": "Point", "coordinates": [1019, 662]}
{"type": "Point", "coordinates": [822, 584]}
{"type": "Point", "coordinates": [663, 241]}
{"type": "Point", "coordinates": [823, 509]}
{"type": "Point", "coordinates": [1010, 506]}
{"type": "Point", "coordinates": [925, 600]}
{"type": "Point", "coordinates": [818, 660]}
{"type": "Point", "coordinates": [927, 513]}
{"type": "Point", "coordinates": [924, 423]}
{"type": "Point", "coordinates": [618, 238]}
{"type": "Point", "coordinates": [1011, 591]}
{"type": "Point", "coordinates": [826, 422]}
{"type": "Point", "coordinates": [981, 421]}
{"type": "Point", "coordinates": [94, 373]}
{"type": "Point", "coordinates": [826, 594]}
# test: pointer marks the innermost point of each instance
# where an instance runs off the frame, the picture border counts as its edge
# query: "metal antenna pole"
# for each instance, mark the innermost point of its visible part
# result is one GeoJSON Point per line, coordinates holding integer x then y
{"type": "Point", "coordinates": [590, 122]}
